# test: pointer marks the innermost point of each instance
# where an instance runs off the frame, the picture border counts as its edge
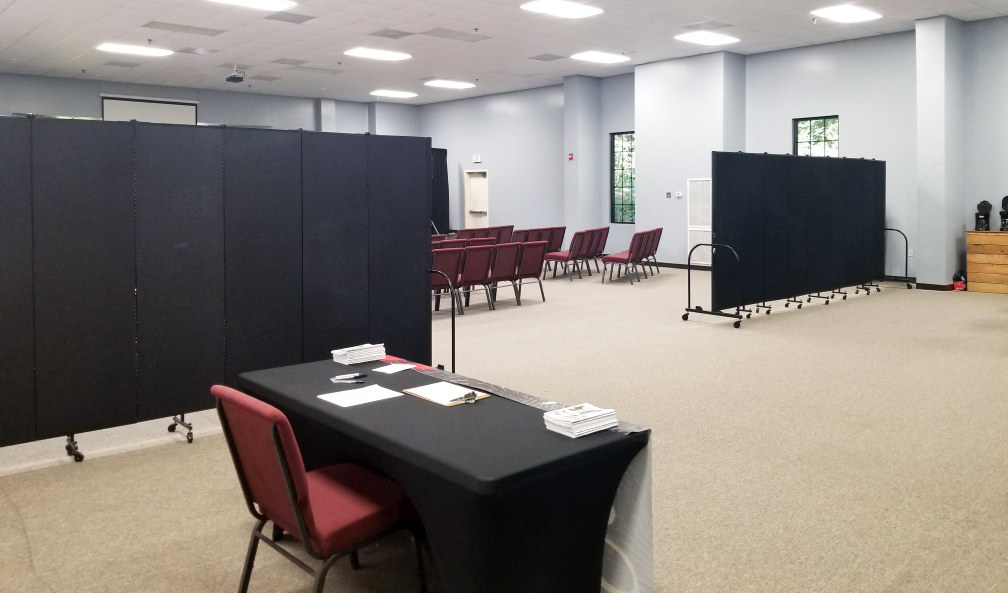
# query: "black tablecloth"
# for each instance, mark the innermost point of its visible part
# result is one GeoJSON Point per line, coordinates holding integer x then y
{"type": "Point", "coordinates": [507, 505]}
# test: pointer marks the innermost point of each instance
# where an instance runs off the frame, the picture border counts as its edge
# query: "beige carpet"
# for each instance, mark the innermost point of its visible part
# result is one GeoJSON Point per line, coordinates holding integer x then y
{"type": "Point", "coordinates": [860, 446]}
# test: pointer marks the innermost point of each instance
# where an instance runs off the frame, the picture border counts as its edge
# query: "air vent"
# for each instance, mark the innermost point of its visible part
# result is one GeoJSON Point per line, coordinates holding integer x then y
{"type": "Point", "coordinates": [122, 64]}
{"type": "Point", "coordinates": [390, 34]}
{"type": "Point", "coordinates": [289, 17]}
{"type": "Point", "coordinates": [199, 51]}
{"type": "Point", "coordinates": [547, 57]}
{"type": "Point", "coordinates": [698, 197]}
{"type": "Point", "coordinates": [264, 77]}
{"type": "Point", "coordinates": [289, 62]}
{"type": "Point", "coordinates": [707, 26]}
{"type": "Point", "coordinates": [183, 29]}
{"type": "Point", "coordinates": [455, 35]}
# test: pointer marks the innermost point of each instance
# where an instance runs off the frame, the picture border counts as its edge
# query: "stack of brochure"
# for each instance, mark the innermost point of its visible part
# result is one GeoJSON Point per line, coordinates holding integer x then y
{"type": "Point", "coordinates": [577, 421]}
{"type": "Point", "coordinates": [359, 354]}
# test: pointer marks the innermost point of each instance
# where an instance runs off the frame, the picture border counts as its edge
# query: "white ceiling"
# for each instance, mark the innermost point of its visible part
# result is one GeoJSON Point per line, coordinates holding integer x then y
{"type": "Point", "coordinates": [58, 37]}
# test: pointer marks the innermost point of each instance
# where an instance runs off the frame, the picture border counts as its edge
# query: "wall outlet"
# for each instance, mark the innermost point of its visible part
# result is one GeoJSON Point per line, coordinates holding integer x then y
{"type": "Point", "coordinates": [909, 252]}
{"type": "Point", "coordinates": [477, 158]}
{"type": "Point", "coordinates": [678, 194]}
{"type": "Point", "coordinates": [668, 195]}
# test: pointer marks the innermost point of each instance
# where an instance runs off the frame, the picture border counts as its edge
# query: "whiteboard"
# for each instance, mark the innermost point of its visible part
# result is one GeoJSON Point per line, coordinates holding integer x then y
{"type": "Point", "coordinates": [148, 110]}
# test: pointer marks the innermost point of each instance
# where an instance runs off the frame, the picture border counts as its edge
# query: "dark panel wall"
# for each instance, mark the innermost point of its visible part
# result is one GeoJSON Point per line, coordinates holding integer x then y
{"type": "Point", "coordinates": [800, 181]}
{"type": "Point", "coordinates": [17, 373]}
{"type": "Point", "coordinates": [877, 238]}
{"type": "Point", "coordinates": [820, 262]}
{"type": "Point", "coordinates": [262, 249]}
{"type": "Point", "coordinates": [737, 220]}
{"type": "Point", "coordinates": [439, 190]}
{"type": "Point", "coordinates": [335, 194]}
{"type": "Point", "coordinates": [399, 207]}
{"type": "Point", "coordinates": [180, 267]}
{"type": "Point", "coordinates": [85, 316]}
{"type": "Point", "coordinates": [776, 228]}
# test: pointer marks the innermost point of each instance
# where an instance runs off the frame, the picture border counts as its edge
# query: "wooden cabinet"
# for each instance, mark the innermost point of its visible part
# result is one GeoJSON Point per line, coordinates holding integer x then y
{"type": "Point", "coordinates": [987, 261]}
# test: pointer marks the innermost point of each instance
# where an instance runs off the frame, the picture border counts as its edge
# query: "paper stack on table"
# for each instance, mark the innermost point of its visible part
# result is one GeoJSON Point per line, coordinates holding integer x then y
{"type": "Point", "coordinates": [359, 354]}
{"type": "Point", "coordinates": [577, 421]}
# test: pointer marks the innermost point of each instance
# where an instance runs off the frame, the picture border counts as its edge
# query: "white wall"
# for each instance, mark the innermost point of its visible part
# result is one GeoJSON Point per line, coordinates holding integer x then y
{"type": "Point", "coordinates": [395, 119]}
{"type": "Point", "coordinates": [870, 83]}
{"type": "Point", "coordinates": [681, 118]}
{"type": "Point", "coordinates": [520, 136]}
{"type": "Point", "coordinates": [582, 138]}
{"type": "Point", "coordinates": [617, 116]}
{"type": "Point", "coordinates": [986, 75]}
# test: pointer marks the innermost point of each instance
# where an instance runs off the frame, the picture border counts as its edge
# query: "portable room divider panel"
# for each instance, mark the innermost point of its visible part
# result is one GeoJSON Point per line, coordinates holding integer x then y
{"type": "Point", "coordinates": [439, 199]}
{"type": "Point", "coordinates": [800, 225]}
{"type": "Point", "coordinates": [141, 263]}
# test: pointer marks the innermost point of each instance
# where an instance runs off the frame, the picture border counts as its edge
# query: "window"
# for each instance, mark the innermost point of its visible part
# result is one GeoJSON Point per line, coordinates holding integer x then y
{"type": "Point", "coordinates": [817, 136]}
{"type": "Point", "coordinates": [623, 176]}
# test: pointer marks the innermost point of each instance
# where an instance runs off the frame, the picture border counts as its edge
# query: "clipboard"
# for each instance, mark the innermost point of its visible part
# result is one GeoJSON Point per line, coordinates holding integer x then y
{"type": "Point", "coordinates": [444, 393]}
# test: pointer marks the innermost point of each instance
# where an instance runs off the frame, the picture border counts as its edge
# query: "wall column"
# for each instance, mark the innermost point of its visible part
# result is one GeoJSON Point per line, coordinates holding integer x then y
{"type": "Point", "coordinates": [583, 137]}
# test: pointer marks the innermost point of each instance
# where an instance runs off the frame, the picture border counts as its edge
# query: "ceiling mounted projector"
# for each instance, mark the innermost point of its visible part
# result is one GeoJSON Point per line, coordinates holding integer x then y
{"type": "Point", "coordinates": [236, 76]}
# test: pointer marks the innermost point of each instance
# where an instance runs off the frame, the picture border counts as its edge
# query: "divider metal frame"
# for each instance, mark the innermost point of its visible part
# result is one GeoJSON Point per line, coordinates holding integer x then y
{"type": "Point", "coordinates": [737, 316]}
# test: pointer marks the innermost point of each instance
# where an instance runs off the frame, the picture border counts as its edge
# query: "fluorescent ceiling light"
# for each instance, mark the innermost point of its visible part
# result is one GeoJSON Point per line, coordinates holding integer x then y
{"type": "Point", "coordinates": [600, 57]}
{"type": "Point", "coordinates": [136, 50]}
{"type": "Point", "coordinates": [393, 94]}
{"type": "Point", "coordinates": [846, 13]}
{"type": "Point", "coordinates": [561, 8]}
{"type": "Point", "coordinates": [377, 54]}
{"type": "Point", "coordinates": [449, 84]}
{"type": "Point", "coordinates": [707, 38]}
{"type": "Point", "coordinates": [274, 5]}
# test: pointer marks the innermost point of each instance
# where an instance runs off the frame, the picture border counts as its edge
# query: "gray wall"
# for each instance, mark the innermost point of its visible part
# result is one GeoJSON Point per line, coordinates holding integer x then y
{"type": "Point", "coordinates": [870, 84]}
{"type": "Point", "coordinates": [520, 136]}
{"type": "Point", "coordinates": [617, 116]}
{"type": "Point", "coordinates": [395, 119]}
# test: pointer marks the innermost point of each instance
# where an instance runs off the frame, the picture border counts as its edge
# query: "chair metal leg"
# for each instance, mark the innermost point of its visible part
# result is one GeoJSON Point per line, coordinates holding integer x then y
{"type": "Point", "coordinates": [490, 302]}
{"type": "Point", "coordinates": [587, 267]}
{"type": "Point", "coordinates": [543, 294]}
{"type": "Point", "coordinates": [277, 533]}
{"type": "Point", "coordinates": [596, 264]}
{"type": "Point", "coordinates": [468, 293]}
{"type": "Point", "coordinates": [603, 272]}
{"type": "Point", "coordinates": [250, 556]}
{"type": "Point", "coordinates": [657, 267]}
{"type": "Point", "coordinates": [458, 302]}
{"type": "Point", "coordinates": [555, 269]}
{"type": "Point", "coordinates": [323, 571]}
{"type": "Point", "coordinates": [354, 560]}
{"type": "Point", "coordinates": [518, 291]}
{"type": "Point", "coordinates": [437, 300]}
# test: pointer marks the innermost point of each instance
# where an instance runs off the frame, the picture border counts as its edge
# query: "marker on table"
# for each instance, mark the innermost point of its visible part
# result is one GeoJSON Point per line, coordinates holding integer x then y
{"type": "Point", "coordinates": [344, 381]}
{"type": "Point", "coordinates": [350, 376]}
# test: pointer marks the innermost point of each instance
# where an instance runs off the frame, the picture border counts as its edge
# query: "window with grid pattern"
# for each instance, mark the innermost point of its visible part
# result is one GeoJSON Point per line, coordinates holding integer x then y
{"type": "Point", "coordinates": [817, 136]}
{"type": "Point", "coordinates": [623, 176]}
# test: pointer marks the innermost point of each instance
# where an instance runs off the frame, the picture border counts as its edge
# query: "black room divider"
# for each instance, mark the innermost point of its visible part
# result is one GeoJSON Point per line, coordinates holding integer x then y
{"type": "Point", "coordinates": [141, 263]}
{"type": "Point", "coordinates": [800, 225]}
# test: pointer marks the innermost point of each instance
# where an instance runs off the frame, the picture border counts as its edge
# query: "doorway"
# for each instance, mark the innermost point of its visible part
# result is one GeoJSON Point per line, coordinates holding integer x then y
{"type": "Point", "coordinates": [477, 200]}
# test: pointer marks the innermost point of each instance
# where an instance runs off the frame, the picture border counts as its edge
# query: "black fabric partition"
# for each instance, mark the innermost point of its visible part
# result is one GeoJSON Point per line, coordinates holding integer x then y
{"type": "Point", "coordinates": [439, 189]}
{"type": "Point", "coordinates": [800, 225]}
{"type": "Point", "coordinates": [399, 184]}
{"type": "Point", "coordinates": [141, 263]}
{"type": "Point", "coordinates": [334, 171]}
{"type": "Point", "coordinates": [262, 249]}
{"type": "Point", "coordinates": [17, 373]}
{"type": "Point", "coordinates": [180, 267]}
{"type": "Point", "coordinates": [85, 300]}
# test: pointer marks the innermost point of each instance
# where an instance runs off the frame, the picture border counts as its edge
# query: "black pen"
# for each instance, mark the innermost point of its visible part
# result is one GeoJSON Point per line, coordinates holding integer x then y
{"type": "Point", "coordinates": [350, 376]}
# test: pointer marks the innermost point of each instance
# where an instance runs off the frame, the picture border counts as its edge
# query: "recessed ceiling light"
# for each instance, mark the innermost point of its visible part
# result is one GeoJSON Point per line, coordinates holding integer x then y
{"type": "Point", "coordinates": [377, 54]}
{"type": "Point", "coordinates": [561, 8]}
{"type": "Point", "coordinates": [846, 13]}
{"type": "Point", "coordinates": [136, 50]}
{"type": "Point", "coordinates": [393, 94]}
{"type": "Point", "coordinates": [707, 38]}
{"type": "Point", "coordinates": [274, 5]}
{"type": "Point", "coordinates": [449, 84]}
{"type": "Point", "coordinates": [600, 57]}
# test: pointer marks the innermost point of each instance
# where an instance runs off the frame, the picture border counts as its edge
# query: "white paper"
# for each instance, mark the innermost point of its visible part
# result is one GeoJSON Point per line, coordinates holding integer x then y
{"type": "Point", "coordinates": [394, 368]}
{"type": "Point", "coordinates": [356, 397]}
{"type": "Point", "coordinates": [443, 393]}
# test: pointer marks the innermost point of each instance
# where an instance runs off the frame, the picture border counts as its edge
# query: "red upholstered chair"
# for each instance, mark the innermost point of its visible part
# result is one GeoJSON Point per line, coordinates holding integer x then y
{"type": "Point", "coordinates": [504, 234]}
{"type": "Point", "coordinates": [653, 252]}
{"type": "Point", "coordinates": [453, 244]}
{"type": "Point", "coordinates": [600, 247]}
{"type": "Point", "coordinates": [520, 236]}
{"type": "Point", "coordinates": [504, 266]}
{"type": "Point", "coordinates": [436, 245]}
{"type": "Point", "coordinates": [556, 238]}
{"type": "Point", "coordinates": [465, 233]}
{"type": "Point", "coordinates": [626, 259]}
{"type": "Point", "coordinates": [530, 265]}
{"type": "Point", "coordinates": [448, 261]}
{"type": "Point", "coordinates": [588, 247]}
{"type": "Point", "coordinates": [481, 241]}
{"type": "Point", "coordinates": [569, 257]}
{"type": "Point", "coordinates": [481, 233]}
{"type": "Point", "coordinates": [534, 235]}
{"type": "Point", "coordinates": [434, 238]}
{"type": "Point", "coordinates": [476, 272]}
{"type": "Point", "coordinates": [333, 511]}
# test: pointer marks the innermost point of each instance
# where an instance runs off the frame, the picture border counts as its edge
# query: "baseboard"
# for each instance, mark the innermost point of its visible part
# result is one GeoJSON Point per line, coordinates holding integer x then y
{"type": "Point", "coordinates": [697, 267]}
{"type": "Point", "coordinates": [942, 287]}
{"type": "Point", "coordinates": [910, 279]}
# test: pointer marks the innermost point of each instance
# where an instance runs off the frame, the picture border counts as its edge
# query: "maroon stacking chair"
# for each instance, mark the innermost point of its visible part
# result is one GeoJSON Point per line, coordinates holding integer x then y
{"type": "Point", "coordinates": [453, 244]}
{"type": "Point", "coordinates": [503, 268]}
{"type": "Point", "coordinates": [653, 252]}
{"type": "Point", "coordinates": [530, 265]}
{"type": "Point", "coordinates": [332, 511]}
{"type": "Point", "coordinates": [448, 261]}
{"type": "Point", "coordinates": [475, 272]}
{"type": "Point", "coordinates": [556, 238]}
{"type": "Point", "coordinates": [649, 249]}
{"type": "Point", "coordinates": [436, 245]}
{"type": "Point", "coordinates": [600, 247]}
{"type": "Point", "coordinates": [481, 241]}
{"type": "Point", "coordinates": [534, 235]}
{"type": "Point", "coordinates": [438, 237]}
{"type": "Point", "coordinates": [465, 233]}
{"type": "Point", "coordinates": [481, 233]}
{"type": "Point", "coordinates": [627, 259]}
{"type": "Point", "coordinates": [569, 257]}
{"type": "Point", "coordinates": [505, 233]}
{"type": "Point", "coordinates": [588, 248]}
{"type": "Point", "coordinates": [520, 236]}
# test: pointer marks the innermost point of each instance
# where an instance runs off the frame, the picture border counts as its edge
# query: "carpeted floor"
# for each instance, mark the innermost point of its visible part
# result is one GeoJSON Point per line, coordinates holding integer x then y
{"type": "Point", "coordinates": [860, 446]}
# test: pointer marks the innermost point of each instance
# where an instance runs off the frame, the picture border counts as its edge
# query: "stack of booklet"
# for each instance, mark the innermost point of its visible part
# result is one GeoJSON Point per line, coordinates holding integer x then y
{"type": "Point", "coordinates": [577, 421]}
{"type": "Point", "coordinates": [359, 354]}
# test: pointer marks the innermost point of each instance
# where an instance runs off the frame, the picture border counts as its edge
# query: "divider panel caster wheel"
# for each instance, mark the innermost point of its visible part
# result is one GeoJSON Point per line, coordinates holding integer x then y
{"type": "Point", "coordinates": [171, 428]}
{"type": "Point", "coordinates": [878, 289]}
{"type": "Point", "coordinates": [786, 305]}
{"type": "Point", "coordinates": [799, 305]}
{"type": "Point", "coordinates": [909, 287]}
{"type": "Point", "coordinates": [808, 300]}
{"type": "Point", "coordinates": [856, 290]}
{"type": "Point", "coordinates": [768, 311]}
{"type": "Point", "coordinates": [845, 297]}
{"type": "Point", "coordinates": [737, 324]}
{"type": "Point", "coordinates": [827, 301]}
{"type": "Point", "coordinates": [78, 457]}
{"type": "Point", "coordinates": [685, 316]}
{"type": "Point", "coordinates": [188, 437]}
{"type": "Point", "coordinates": [748, 315]}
